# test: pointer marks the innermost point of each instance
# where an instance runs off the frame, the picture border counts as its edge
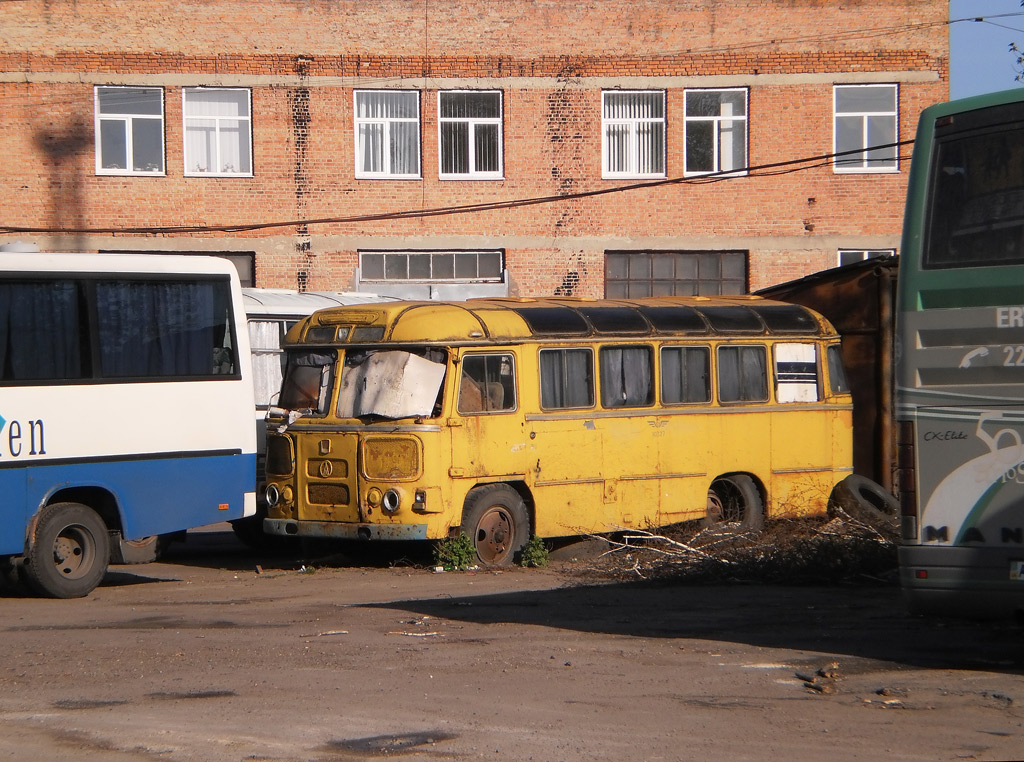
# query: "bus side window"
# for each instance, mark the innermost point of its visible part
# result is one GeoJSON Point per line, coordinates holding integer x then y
{"type": "Point", "coordinates": [742, 374]}
{"type": "Point", "coordinates": [685, 375]}
{"type": "Point", "coordinates": [627, 376]}
{"type": "Point", "coordinates": [796, 373]}
{"type": "Point", "coordinates": [566, 378]}
{"type": "Point", "coordinates": [487, 384]}
{"type": "Point", "coordinates": [836, 372]}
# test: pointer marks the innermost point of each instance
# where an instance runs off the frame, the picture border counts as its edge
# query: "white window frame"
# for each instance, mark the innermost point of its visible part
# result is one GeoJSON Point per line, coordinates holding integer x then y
{"type": "Point", "coordinates": [217, 120]}
{"type": "Point", "coordinates": [633, 127]}
{"type": "Point", "coordinates": [717, 130]}
{"type": "Point", "coordinates": [386, 123]}
{"type": "Point", "coordinates": [127, 119]}
{"type": "Point", "coordinates": [846, 164]}
{"type": "Point", "coordinates": [473, 123]}
{"type": "Point", "coordinates": [862, 254]}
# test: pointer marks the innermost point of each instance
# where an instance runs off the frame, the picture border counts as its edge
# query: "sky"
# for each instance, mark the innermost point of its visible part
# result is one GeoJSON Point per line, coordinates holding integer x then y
{"type": "Point", "coordinates": [980, 61]}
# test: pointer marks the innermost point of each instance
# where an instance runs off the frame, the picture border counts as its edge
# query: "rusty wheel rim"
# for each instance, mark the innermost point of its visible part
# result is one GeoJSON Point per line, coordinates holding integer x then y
{"type": "Point", "coordinates": [494, 533]}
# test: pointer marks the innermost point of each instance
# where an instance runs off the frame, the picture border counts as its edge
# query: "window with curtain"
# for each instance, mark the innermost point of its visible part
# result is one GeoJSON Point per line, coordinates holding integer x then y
{"type": "Point", "coordinates": [742, 374]}
{"type": "Point", "coordinates": [716, 131]}
{"type": "Point", "coordinates": [566, 378]}
{"type": "Point", "coordinates": [160, 329]}
{"type": "Point", "coordinates": [65, 330]}
{"type": "Point", "coordinates": [633, 133]}
{"type": "Point", "coordinates": [129, 130]}
{"type": "Point", "coordinates": [685, 375]}
{"type": "Point", "coordinates": [387, 133]}
{"type": "Point", "coordinates": [627, 375]}
{"type": "Point", "coordinates": [866, 116]}
{"type": "Point", "coordinates": [470, 134]}
{"type": "Point", "coordinates": [218, 131]}
{"type": "Point", "coordinates": [42, 331]}
{"type": "Point", "coordinates": [268, 359]}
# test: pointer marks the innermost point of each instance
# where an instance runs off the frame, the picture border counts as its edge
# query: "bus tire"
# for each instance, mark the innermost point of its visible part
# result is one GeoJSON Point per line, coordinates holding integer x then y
{"type": "Point", "coordinates": [865, 500]}
{"type": "Point", "coordinates": [68, 551]}
{"type": "Point", "coordinates": [495, 519]}
{"type": "Point", "coordinates": [735, 500]}
{"type": "Point", "coordinates": [143, 551]}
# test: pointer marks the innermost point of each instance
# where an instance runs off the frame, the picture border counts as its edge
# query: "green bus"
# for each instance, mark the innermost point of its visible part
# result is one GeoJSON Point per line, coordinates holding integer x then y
{"type": "Point", "coordinates": [960, 361]}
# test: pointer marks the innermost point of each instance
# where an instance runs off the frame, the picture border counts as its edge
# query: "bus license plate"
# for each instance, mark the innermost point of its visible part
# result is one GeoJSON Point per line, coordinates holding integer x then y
{"type": "Point", "coordinates": [1017, 571]}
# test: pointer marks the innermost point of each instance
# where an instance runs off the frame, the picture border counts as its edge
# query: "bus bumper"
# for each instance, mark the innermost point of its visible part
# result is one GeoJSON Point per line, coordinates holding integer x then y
{"type": "Point", "coordinates": [341, 531]}
{"type": "Point", "coordinates": [961, 581]}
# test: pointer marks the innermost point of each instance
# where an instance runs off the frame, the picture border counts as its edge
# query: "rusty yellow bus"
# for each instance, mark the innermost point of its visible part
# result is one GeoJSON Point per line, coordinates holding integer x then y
{"type": "Point", "coordinates": [508, 418]}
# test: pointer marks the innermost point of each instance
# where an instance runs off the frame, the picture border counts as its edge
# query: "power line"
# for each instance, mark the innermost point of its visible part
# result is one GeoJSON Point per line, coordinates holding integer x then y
{"type": "Point", "coordinates": [762, 170]}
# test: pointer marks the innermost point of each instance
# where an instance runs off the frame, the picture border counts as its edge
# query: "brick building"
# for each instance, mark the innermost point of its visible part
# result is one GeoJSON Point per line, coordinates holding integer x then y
{"type": "Point", "coordinates": [459, 147]}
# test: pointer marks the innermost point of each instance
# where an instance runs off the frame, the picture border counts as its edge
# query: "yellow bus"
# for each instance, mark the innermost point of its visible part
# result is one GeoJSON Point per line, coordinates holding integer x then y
{"type": "Point", "coordinates": [508, 418]}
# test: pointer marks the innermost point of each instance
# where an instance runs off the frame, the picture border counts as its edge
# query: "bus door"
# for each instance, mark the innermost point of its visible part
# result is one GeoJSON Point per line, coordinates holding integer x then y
{"type": "Point", "coordinates": [488, 439]}
{"type": "Point", "coordinates": [566, 446]}
{"type": "Point", "coordinates": [801, 433]}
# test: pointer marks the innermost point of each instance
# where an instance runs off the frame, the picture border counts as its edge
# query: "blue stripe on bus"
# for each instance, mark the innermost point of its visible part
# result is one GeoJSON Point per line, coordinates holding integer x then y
{"type": "Point", "coordinates": [153, 496]}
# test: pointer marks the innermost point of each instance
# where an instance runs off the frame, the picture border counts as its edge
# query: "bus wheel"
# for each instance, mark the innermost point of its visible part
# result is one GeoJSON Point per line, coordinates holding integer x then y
{"type": "Point", "coordinates": [735, 500]}
{"type": "Point", "coordinates": [68, 553]}
{"type": "Point", "coordinates": [495, 519]}
{"type": "Point", "coordinates": [142, 551]}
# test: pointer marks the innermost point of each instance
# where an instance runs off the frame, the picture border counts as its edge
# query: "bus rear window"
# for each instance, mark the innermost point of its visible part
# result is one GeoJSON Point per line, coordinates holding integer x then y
{"type": "Point", "coordinates": [976, 217]}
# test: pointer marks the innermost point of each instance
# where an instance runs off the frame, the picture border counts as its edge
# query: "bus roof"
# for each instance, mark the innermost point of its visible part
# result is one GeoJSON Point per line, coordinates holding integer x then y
{"type": "Point", "coordinates": [509, 319]}
{"type": "Point", "coordinates": [284, 302]}
{"type": "Point", "coordinates": [114, 262]}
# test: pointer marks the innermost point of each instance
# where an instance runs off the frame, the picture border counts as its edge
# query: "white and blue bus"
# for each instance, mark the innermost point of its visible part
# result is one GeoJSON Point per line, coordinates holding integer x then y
{"type": "Point", "coordinates": [126, 404]}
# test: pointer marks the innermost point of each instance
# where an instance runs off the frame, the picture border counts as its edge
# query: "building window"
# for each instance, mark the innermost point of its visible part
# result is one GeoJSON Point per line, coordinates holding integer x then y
{"type": "Point", "coordinates": [866, 116]}
{"type": "Point", "coordinates": [387, 133]}
{"type": "Point", "coordinates": [470, 134]}
{"type": "Point", "coordinates": [218, 131]}
{"type": "Point", "coordinates": [633, 133]}
{"type": "Point", "coordinates": [635, 274]}
{"type": "Point", "coordinates": [716, 131]}
{"type": "Point", "coordinates": [849, 256]}
{"type": "Point", "coordinates": [129, 130]}
{"type": "Point", "coordinates": [432, 266]}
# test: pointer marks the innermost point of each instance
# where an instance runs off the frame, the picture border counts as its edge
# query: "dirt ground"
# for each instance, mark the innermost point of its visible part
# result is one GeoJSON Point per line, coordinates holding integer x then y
{"type": "Point", "coordinates": [218, 653]}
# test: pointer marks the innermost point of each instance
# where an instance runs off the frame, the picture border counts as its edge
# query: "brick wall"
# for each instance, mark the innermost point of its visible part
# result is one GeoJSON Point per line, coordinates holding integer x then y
{"type": "Point", "coordinates": [550, 58]}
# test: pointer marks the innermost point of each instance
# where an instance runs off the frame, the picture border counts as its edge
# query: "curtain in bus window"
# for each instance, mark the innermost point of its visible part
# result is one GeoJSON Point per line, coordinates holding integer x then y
{"type": "Point", "coordinates": [40, 331]}
{"type": "Point", "coordinates": [685, 375]}
{"type": "Point", "coordinates": [626, 376]}
{"type": "Point", "coordinates": [163, 329]}
{"type": "Point", "coordinates": [267, 358]}
{"type": "Point", "coordinates": [566, 378]}
{"type": "Point", "coordinates": [742, 374]}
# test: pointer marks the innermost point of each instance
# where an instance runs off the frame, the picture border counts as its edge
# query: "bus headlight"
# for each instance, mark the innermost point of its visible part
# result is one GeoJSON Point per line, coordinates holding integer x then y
{"type": "Point", "coordinates": [391, 502]}
{"type": "Point", "coordinates": [271, 495]}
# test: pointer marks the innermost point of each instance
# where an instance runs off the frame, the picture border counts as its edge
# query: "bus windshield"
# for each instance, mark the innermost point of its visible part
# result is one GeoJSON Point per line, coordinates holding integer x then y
{"type": "Point", "coordinates": [307, 382]}
{"type": "Point", "coordinates": [390, 384]}
{"type": "Point", "coordinates": [976, 215]}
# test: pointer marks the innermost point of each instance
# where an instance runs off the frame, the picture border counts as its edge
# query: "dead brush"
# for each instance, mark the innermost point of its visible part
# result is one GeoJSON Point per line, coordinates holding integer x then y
{"type": "Point", "coordinates": [793, 551]}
